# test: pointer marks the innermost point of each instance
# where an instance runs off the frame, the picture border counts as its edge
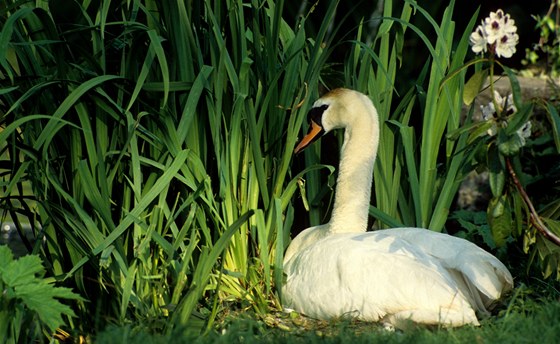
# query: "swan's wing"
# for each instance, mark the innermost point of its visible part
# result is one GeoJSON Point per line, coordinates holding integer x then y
{"type": "Point", "coordinates": [480, 269]}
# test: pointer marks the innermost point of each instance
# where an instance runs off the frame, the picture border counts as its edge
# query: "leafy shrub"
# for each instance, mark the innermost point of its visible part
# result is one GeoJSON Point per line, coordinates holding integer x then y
{"type": "Point", "coordinates": [29, 303]}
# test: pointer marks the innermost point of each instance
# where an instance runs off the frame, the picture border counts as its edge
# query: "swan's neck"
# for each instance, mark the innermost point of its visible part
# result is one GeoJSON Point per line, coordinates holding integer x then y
{"type": "Point", "coordinates": [353, 190]}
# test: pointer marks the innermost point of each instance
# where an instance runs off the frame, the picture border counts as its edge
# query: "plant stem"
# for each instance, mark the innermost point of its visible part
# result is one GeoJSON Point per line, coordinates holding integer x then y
{"type": "Point", "coordinates": [496, 105]}
{"type": "Point", "coordinates": [535, 218]}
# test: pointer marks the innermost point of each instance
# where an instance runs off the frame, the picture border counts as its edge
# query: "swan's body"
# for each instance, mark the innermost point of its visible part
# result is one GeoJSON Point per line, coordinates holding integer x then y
{"type": "Point", "coordinates": [338, 269]}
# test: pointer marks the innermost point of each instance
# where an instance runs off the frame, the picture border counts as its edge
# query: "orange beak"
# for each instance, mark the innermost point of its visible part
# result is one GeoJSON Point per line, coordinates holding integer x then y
{"type": "Point", "coordinates": [313, 133]}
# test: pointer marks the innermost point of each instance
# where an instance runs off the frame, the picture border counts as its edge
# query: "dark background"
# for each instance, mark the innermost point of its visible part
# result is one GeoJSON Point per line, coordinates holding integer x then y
{"type": "Point", "coordinates": [349, 14]}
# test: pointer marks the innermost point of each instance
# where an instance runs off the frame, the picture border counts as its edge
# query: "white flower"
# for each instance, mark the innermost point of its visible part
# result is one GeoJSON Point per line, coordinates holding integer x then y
{"type": "Point", "coordinates": [506, 107]}
{"type": "Point", "coordinates": [489, 111]}
{"type": "Point", "coordinates": [497, 34]}
{"type": "Point", "coordinates": [478, 41]}
{"type": "Point", "coordinates": [496, 25]}
{"type": "Point", "coordinates": [505, 47]}
{"type": "Point", "coordinates": [489, 114]}
{"type": "Point", "coordinates": [506, 103]}
{"type": "Point", "coordinates": [524, 132]}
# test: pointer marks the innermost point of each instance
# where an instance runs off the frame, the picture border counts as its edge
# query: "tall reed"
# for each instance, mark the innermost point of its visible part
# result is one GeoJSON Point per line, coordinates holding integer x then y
{"type": "Point", "coordinates": [157, 138]}
{"type": "Point", "coordinates": [418, 171]}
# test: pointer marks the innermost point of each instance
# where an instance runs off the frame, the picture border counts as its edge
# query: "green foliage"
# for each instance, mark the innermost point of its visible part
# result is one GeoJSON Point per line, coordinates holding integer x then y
{"type": "Point", "coordinates": [418, 171]}
{"type": "Point", "coordinates": [546, 53]}
{"type": "Point", "coordinates": [509, 151]}
{"type": "Point", "coordinates": [475, 225]}
{"type": "Point", "coordinates": [157, 138]}
{"type": "Point", "coordinates": [29, 302]}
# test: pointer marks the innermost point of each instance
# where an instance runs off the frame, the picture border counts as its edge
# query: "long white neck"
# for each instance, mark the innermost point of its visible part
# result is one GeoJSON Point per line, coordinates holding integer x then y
{"type": "Point", "coordinates": [357, 156]}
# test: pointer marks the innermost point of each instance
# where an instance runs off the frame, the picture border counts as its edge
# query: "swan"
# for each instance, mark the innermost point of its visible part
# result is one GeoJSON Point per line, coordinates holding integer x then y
{"type": "Point", "coordinates": [393, 275]}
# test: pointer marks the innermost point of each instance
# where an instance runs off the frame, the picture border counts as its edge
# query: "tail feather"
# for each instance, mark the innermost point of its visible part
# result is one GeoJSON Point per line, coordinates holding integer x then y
{"type": "Point", "coordinates": [487, 273]}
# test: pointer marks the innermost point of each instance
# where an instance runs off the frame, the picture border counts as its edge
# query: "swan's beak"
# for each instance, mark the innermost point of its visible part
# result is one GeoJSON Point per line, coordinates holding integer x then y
{"type": "Point", "coordinates": [311, 136]}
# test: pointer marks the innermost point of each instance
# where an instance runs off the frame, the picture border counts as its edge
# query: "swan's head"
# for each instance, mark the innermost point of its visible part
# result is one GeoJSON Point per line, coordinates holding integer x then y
{"type": "Point", "coordinates": [340, 108]}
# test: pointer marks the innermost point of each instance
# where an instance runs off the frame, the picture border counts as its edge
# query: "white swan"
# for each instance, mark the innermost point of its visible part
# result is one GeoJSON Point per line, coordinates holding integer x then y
{"type": "Point", "coordinates": [393, 275]}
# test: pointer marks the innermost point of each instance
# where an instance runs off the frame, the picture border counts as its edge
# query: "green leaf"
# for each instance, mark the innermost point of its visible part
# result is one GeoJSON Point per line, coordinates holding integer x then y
{"type": "Point", "coordinates": [292, 186]}
{"type": "Point", "coordinates": [476, 130]}
{"type": "Point", "coordinates": [127, 289]}
{"type": "Point", "coordinates": [519, 213]}
{"type": "Point", "coordinates": [518, 119]}
{"type": "Point", "coordinates": [473, 86]}
{"type": "Point", "coordinates": [384, 217]}
{"type": "Point", "coordinates": [515, 87]}
{"type": "Point", "coordinates": [201, 275]}
{"type": "Point", "coordinates": [22, 271]}
{"type": "Point", "coordinates": [41, 298]}
{"type": "Point", "coordinates": [512, 145]}
{"type": "Point", "coordinates": [476, 223]}
{"type": "Point", "coordinates": [9, 24]}
{"type": "Point", "coordinates": [481, 130]}
{"type": "Point", "coordinates": [553, 225]}
{"type": "Point", "coordinates": [23, 280]}
{"type": "Point", "coordinates": [496, 169]}
{"type": "Point", "coordinates": [161, 183]}
{"type": "Point", "coordinates": [53, 126]}
{"type": "Point", "coordinates": [549, 254]}
{"type": "Point", "coordinates": [499, 218]}
{"type": "Point", "coordinates": [555, 121]}
{"type": "Point", "coordinates": [6, 257]}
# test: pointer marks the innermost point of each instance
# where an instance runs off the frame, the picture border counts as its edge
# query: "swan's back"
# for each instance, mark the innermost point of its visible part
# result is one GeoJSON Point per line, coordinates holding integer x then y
{"type": "Point", "coordinates": [394, 275]}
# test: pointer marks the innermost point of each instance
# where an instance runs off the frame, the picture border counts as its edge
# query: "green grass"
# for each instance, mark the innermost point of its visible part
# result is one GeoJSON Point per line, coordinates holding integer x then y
{"type": "Point", "coordinates": [536, 322]}
{"type": "Point", "coordinates": [527, 314]}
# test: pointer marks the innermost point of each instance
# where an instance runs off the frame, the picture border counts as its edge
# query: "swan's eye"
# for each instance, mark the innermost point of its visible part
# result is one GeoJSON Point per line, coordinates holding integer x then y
{"type": "Point", "coordinates": [316, 113]}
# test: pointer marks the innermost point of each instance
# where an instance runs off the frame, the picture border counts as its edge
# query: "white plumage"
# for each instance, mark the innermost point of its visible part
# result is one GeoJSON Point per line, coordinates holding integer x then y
{"type": "Point", "coordinates": [338, 269]}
